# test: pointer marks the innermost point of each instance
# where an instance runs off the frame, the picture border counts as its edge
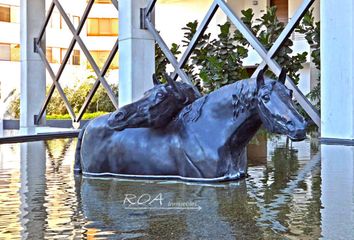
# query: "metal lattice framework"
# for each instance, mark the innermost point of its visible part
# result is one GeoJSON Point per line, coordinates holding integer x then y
{"type": "Point", "coordinates": [146, 23]}
{"type": "Point", "coordinates": [100, 73]}
{"type": "Point", "coordinates": [267, 56]}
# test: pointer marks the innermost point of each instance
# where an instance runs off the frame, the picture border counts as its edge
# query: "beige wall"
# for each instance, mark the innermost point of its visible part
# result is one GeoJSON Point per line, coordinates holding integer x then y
{"type": "Point", "coordinates": [258, 6]}
{"type": "Point", "coordinates": [172, 15]}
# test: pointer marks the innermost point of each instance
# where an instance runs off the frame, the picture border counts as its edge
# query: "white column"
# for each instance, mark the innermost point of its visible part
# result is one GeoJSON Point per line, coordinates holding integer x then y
{"type": "Point", "coordinates": [1, 126]}
{"type": "Point", "coordinates": [136, 53]}
{"type": "Point", "coordinates": [337, 190]}
{"type": "Point", "coordinates": [33, 79]}
{"type": "Point", "coordinates": [337, 76]}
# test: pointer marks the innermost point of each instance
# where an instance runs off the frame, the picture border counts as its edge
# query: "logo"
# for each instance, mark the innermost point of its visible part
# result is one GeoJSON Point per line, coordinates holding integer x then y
{"type": "Point", "coordinates": [156, 202]}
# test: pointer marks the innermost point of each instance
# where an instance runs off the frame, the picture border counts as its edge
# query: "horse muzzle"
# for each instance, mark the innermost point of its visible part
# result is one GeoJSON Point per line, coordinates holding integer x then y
{"type": "Point", "coordinates": [298, 133]}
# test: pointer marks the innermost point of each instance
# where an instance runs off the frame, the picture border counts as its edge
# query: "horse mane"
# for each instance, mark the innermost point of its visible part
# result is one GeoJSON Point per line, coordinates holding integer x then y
{"type": "Point", "coordinates": [192, 112]}
{"type": "Point", "coordinates": [242, 99]}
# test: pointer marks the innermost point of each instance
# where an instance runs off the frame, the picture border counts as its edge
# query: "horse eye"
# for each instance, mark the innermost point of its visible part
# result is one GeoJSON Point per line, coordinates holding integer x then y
{"type": "Point", "coordinates": [266, 97]}
{"type": "Point", "coordinates": [119, 116]}
{"type": "Point", "coordinates": [160, 95]}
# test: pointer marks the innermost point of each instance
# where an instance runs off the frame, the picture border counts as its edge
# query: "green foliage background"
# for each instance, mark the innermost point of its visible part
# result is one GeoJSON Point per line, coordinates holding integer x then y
{"type": "Point", "coordinates": [215, 62]}
{"type": "Point", "coordinates": [219, 61]}
{"type": "Point", "coordinates": [56, 109]}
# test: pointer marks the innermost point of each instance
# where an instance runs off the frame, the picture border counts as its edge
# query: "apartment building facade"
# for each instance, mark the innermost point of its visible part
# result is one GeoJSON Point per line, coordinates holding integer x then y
{"type": "Point", "coordinates": [99, 35]}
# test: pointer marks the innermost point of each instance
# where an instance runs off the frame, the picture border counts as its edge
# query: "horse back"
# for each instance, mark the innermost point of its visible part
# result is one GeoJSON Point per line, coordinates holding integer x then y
{"type": "Point", "coordinates": [130, 151]}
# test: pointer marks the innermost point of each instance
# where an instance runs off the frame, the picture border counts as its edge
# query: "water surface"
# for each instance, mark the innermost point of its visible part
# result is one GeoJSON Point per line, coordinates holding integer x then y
{"type": "Point", "coordinates": [289, 194]}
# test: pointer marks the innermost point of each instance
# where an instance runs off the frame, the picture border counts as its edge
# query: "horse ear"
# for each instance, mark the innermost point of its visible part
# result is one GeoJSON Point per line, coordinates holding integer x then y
{"type": "Point", "coordinates": [260, 79]}
{"type": "Point", "coordinates": [282, 76]}
{"type": "Point", "coordinates": [172, 83]}
{"type": "Point", "coordinates": [155, 80]}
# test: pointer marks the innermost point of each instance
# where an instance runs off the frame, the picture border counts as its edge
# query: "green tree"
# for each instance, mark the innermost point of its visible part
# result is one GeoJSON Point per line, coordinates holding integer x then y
{"type": "Point", "coordinates": [219, 61]}
{"type": "Point", "coordinates": [267, 29]}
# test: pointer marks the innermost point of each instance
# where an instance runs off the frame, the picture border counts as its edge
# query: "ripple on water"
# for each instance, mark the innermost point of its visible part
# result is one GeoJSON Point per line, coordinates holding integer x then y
{"type": "Point", "coordinates": [281, 198]}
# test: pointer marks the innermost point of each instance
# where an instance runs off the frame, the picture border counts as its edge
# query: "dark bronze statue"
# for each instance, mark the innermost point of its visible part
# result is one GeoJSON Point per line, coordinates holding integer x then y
{"type": "Point", "coordinates": [155, 109]}
{"type": "Point", "coordinates": [205, 142]}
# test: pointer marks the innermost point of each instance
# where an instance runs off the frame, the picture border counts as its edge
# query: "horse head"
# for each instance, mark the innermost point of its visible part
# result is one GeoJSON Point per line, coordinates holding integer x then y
{"type": "Point", "coordinates": [156, 108]}
{"type": "Point", "coordinates": [276, 108]}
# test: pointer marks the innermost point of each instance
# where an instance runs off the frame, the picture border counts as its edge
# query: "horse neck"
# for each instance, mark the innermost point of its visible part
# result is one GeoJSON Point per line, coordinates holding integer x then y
{"type": "Point", "coordinates": [229, 112]}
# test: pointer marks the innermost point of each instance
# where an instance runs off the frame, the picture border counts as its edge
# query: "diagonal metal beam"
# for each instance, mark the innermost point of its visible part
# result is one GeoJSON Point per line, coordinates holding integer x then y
{"type": "Point", "coordinates": [254, 42]}
{"type": "Point", "coordinates": [76, 38]}
{"type": "Point", "coordinates": [285, 34]}
{"type": "Point", "coordinates": [171, 58]}
{"type": "Point", "coordinates": [97, 82]}
{"type": "Point", "coordinates": [150, 7]}
{"type": "Point", "coordinates": [115, 4]}
{"type": "Point", "coordinates": [89, 57]}
{"type": "Point", "coordinates": [66, 57]}
{"type": "Point", "coordinates": [46, 21]}
{"type": "Point", "coordinates": [273, 65]}
{"type": "Point", "coordinates": [199, 33]}
{"type": "Point", "coordinates": [57, 85]}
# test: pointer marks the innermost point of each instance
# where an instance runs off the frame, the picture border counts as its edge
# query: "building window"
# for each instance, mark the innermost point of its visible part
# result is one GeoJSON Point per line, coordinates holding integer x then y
{"type": "Point", "coordinates": [10, 52]}
{"type": "Point", "coordinates": [5, 15]}
{"type": "Point", "coordinates": [282, 9]}
{"type": "Point", "coordinates": [15, 52]}
{"type": "Point", "coordinates": [15, 14]}
{"type": "Point", "coordinates": [63, 23]}
{"type": "Point", "coordinates": [102, 27]}
{"type": "Point", "coordinates": [102, 1]}
{"type": "Point", "coordinates": [5, 52]}
{"type": "Point", "coordinates": [76, 21]}
{"type": "Point", "coordinates": [100, 58]}
{"type": "Point", "coordinates": [54, 21]}
{"type": "Point", "coordinates": [76, 57]}
{"type": "Point", "coordinates": [55, 54]}
{"type": "Point", "coordinates": [62, 54]}
{"type": "Point", "coordinates": [49, 55]}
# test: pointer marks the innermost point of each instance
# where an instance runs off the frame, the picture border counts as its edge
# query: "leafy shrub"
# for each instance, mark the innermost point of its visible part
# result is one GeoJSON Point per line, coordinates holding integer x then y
{"type": "Point", "coordinates": [67, 116]}
{"type": "Point", "coordinates": [14, 106]}
{"type": "Point", "coordinates": [76, 97]}
{"type": "Point", "coordinates": [218, 62]}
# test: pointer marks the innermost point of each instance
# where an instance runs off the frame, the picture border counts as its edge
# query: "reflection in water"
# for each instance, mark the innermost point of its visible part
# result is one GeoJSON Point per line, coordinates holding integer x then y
{"type": "Point", "coordinates": [10, 226]}
{"type": "Point", "coordinates": [32, 191]}
{"type": "Point", "coordinates": [40, 198]}
{"type": "Point", "coordinates": [337, 192]}
{"type": "Point", "coordinates": [56, 150]}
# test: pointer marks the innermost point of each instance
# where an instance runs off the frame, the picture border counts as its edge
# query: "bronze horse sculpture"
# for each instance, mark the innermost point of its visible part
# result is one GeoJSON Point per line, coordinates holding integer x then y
{"type": "Point", "coordinates": [205, 142]}
{"type": "Point", "coordinates": [154, 110]}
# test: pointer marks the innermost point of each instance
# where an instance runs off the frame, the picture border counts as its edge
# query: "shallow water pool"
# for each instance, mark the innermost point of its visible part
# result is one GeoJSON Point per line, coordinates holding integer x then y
{"type": "Point", "coordinates": [294, 191]}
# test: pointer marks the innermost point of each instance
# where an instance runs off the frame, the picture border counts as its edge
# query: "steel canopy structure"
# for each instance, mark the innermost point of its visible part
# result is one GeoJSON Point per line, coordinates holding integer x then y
{"type": "Point", "coordinates": [254, 42]}
{"type": "Point", "coordinates": [100, 73]}
{"type": "Point", "coordinates": [146, 23]}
